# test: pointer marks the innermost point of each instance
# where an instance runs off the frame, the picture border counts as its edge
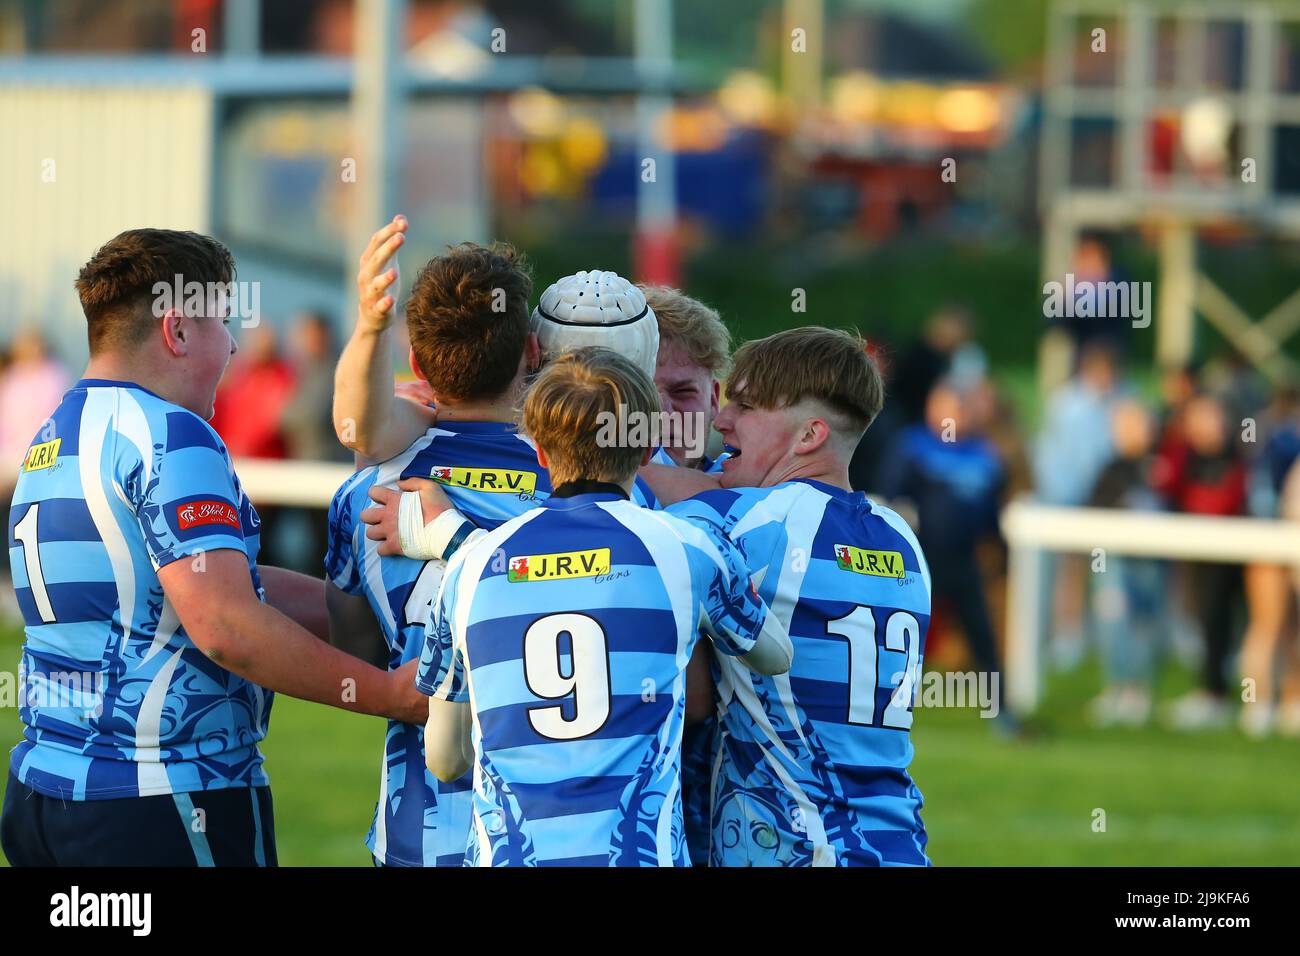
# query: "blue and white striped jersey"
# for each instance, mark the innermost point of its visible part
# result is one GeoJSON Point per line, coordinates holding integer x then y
{"type": "Point", "coordinates": [812, 765]}
{"type": "Point", "coordinates": [118, 702]}
{"type": "Point", "coordinates": [568, 631]}
{"type": "Point", "coordinates": [491, 474]}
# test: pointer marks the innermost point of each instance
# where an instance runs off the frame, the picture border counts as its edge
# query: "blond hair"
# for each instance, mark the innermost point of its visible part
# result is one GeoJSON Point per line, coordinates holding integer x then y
{"type": "Point", "coordinates": [577, 401]}
{"type": "Point", "coordinates": [692, 326]}
{"type": "Point", "coordinates": [827, 366]}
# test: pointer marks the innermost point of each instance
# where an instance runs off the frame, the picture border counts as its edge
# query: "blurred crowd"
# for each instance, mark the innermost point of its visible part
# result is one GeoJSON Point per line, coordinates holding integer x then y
{"type": "Point", "coordinates": [1216, 440]}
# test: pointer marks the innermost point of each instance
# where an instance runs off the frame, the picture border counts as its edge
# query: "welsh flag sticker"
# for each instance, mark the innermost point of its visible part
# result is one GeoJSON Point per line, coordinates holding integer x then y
{"type": "Point", "coordinates": [518, 569]}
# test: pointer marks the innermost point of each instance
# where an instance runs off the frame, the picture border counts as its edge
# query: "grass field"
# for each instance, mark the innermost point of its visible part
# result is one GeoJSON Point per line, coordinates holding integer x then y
{"type": "Point", "coordinates": [1208, 799]}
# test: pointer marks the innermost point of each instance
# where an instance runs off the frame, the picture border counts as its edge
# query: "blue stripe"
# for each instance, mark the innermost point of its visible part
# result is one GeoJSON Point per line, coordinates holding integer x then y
{"type": "Point", "coordinates": [187, 430]}
{"type": "Point", "coordinates": [59, 519]}
{"type": "Point", "coordinates": [633, 628]}
{"type": "Point", "coordinates": [259, 852]}
{"type": "Point", "coordinates": [198, 839]}
{"type": "Point", "coordinates": [509, 726]}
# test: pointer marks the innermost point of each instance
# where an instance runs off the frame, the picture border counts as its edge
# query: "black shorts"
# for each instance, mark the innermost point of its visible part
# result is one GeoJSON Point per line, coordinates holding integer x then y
{"type": "Point", "coordinates": [234, 827]}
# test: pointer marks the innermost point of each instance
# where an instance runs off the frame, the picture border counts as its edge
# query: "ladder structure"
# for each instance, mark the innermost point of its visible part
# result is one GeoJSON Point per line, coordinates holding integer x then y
{"type": "Point", "coordinates": [1189, 100]}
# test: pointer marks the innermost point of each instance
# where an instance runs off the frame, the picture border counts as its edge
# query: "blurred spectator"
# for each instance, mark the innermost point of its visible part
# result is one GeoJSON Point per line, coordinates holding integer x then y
{"type": "Point", "coordinates": [927, 360]}
{"type": "Point", "coordinates": [874, 448]}
{"type": "Point", "coordinates": [307, 422]}
{"type": "Point", "coordinates": [253, 395]}
{"type": "Point", "coordinates": [953, 478]}
{"type": "Point", "coordinates": [1073, 447]}
{"type": "Point", "coordinates": [1203, 474]}
{"type": "Point", "coordinates": [1128, 597]}
{"type": "Point", "coordinates": [31, 386]}
{"type": "Point", "coordinates": [250, 403]}
{"type": "Point", "coordinates": [1093, 264]}
{"type": "Point", "coordinates": [307, 425]}
{"type": "Point", "coordinates": [1270, 635]}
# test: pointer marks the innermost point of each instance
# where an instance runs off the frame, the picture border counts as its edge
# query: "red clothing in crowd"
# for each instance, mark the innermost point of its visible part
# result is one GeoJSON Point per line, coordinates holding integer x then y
{"type": "Point", "coordinates": [1199, 484]}
{"type": "Point", "coordinates": [250, 402]}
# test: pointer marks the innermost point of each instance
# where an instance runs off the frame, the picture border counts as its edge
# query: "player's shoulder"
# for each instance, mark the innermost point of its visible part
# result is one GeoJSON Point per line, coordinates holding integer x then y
{"type": "Point", "coordinates": [478, 554]}
{"type": "Point", "coordinates": [887, 529]}
{"type": "Point", "coordinates": [155, 427]}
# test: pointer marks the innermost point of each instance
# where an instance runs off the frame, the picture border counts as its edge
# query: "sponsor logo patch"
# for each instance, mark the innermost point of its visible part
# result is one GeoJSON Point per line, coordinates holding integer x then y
{"type": "Point", "coordinates": [880, 564]}
{"type": "Point", "coordinates": [197, 513]}
{"type": "Point", "coordinates": [43, 455]}
{"type": "Point", "coordinates": [553, 567]}
{"type": "Point", "coordinates": [502, 480]}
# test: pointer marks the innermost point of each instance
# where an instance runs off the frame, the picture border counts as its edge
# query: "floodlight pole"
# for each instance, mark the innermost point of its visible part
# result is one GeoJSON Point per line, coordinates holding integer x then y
{"type": "Point", "coordinates": [656, 248]}
{"type": "Point", "coordinates": [241, 27]}
{"type": "Point", "coordinates": [378, 101]}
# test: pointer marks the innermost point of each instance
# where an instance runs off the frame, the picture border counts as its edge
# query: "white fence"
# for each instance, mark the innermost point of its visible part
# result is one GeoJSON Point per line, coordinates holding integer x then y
{"type": "Point", "coordinates": [1029, 529]}
{"type": "Point", "coordinates": [1033, 528]}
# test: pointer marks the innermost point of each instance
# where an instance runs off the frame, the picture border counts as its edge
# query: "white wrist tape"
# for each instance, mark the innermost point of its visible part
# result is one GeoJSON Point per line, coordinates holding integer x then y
{"type": "Point", "coordinates": [425, 542]}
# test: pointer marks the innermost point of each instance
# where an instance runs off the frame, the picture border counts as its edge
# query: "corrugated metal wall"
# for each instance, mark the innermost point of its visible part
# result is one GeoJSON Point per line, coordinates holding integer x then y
{"type": "Point", "coordinates": [79, 165]}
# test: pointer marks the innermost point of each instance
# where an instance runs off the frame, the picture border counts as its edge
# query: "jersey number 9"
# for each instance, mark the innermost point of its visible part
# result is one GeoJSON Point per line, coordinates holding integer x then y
{"type": "Point", "coordinates": [587, 679]}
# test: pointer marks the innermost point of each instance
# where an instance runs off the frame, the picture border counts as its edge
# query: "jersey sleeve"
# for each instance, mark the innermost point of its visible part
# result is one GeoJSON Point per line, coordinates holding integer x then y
{"type": "Point", "coordinates": [185, 498]}
{"type": "Point", "coordinates": [441, 672]}
{"type": "Point", "coordinates": [340, 562]}
{"type": "Point", "coordinates": [733, 614]}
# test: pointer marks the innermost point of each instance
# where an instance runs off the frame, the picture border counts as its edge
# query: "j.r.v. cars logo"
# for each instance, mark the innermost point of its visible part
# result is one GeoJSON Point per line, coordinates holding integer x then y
{"type": "Point", "coordinates": [196, 513]}
{"type": "Point", "coordinates": [552, 567]}
{"type": "Point", "coordinates": [502, 480]}
{"type": "Point", "coordinates": [43, 455]}
{"type": "Point", "coordinates": [880, 564]}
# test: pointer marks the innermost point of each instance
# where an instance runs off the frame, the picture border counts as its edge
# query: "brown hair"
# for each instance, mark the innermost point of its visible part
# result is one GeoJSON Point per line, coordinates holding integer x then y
{"type": "Point", "coordinates": [468, 320]}
{"type": "Point", "coordinates": [117, 284]}
{"type": "Point", "coordinates": [692, 326]}
{"type": "Point", "coordinates": [826, 365]}
{"type": "Point", "coordinates": [580, 409]}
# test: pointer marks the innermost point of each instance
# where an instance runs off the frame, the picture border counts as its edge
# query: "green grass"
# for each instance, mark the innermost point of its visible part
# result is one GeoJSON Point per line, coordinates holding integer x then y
{"type": "Point", "coordinates": [1207, 799]}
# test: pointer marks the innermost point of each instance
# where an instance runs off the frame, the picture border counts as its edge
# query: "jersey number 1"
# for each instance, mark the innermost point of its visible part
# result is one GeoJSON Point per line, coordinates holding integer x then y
{"type": "Point", "coordinates": [25, 535]}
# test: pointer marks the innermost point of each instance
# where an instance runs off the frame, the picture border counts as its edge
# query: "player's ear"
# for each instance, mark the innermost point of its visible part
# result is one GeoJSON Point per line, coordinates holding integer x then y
{"type": "Point", "coordinates": [715, 399]}
{"type": "Point", "coordinates": [532, 353]}
{"type": "Point", "coordinates": [646, 456]}
{"type": "Point", "coordinates": [542, 459]}
{"type": "Point", "coordinates": [175, 332]}
{"type": "Point", "coordinates": [415, 366]}
{"type": "Point", "coordinates": [813, 434]}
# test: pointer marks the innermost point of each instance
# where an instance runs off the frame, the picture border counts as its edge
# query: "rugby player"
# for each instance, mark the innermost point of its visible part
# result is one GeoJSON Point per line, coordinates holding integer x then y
{"type": "Point", "coordinates": [812, 765]}
{"type": "Point", "coordinates": [154, 640]}
{"type": "Point", "coordinates": [474, 359]}
{"type": "Point", "coordinates": [556, 653]}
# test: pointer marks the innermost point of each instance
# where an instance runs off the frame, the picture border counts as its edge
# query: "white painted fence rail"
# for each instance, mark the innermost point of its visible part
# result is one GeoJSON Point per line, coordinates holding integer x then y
{"type": "Point", "coordinates": [303, 484]}
{"type": "Point", "coordinates": [1031, 528]}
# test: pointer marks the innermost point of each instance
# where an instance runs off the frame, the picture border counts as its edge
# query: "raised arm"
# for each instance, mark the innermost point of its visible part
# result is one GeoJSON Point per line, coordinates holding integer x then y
{"type": "Point", "coordinates": [225, 620]}
{"type": "Point", "coordinates": [368, 417]}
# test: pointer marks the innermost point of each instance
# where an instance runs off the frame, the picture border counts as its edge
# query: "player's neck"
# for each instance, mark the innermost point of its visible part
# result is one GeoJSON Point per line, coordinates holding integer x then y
{"type": "Point", "coordinates": [827, 470]}
{"type": "Point", "coordinates": [499, 411]}
{"type": "Point", "coordinates": [113, 367]}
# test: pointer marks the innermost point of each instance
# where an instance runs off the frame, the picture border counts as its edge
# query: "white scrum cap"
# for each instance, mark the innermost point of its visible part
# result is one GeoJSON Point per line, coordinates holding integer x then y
{"type": "Point", "coordinates": [597, 308]}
